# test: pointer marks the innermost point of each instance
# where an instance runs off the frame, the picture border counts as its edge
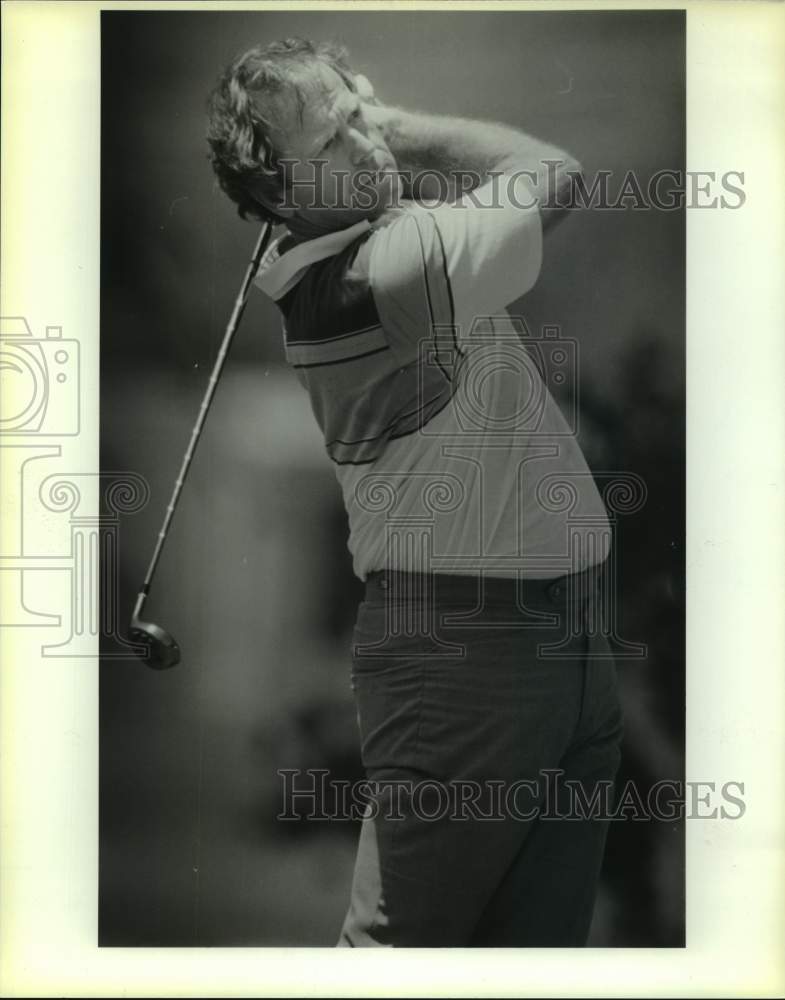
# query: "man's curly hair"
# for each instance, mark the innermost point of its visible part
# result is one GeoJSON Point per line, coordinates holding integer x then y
{"type": "Point", "coordinates": [242, 110]}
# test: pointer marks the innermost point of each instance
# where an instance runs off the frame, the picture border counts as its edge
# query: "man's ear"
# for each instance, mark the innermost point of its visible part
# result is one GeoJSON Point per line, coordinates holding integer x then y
{"type": "Point", "coordinates": [364, 89]}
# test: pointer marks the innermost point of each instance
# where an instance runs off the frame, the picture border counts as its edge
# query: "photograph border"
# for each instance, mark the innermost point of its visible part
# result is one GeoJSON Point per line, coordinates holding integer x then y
{"type": "Point", "coordinates": [735, 555]}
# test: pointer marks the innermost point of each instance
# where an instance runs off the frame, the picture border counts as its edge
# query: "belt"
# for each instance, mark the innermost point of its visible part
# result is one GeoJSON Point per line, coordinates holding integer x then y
{"type": "Point", "coordinates": [393, 586]}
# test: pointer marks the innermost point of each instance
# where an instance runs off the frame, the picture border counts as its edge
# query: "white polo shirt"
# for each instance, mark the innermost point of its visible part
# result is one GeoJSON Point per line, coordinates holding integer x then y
{"type": "Point", "coordinates": [451, 453]}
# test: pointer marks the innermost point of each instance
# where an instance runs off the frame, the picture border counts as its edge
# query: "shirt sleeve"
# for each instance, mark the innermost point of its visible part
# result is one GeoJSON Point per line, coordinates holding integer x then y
{"type": "Point", "coordinates": [450, 265]}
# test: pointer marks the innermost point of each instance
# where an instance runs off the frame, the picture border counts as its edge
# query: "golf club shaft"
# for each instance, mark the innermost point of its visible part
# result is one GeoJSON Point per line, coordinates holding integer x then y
{"type": "Point", "coordinates": [234, 320]}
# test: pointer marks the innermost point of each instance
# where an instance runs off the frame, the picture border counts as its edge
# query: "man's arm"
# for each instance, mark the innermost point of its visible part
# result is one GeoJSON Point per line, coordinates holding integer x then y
{"type": "Point", "coordinates": [467, 153]}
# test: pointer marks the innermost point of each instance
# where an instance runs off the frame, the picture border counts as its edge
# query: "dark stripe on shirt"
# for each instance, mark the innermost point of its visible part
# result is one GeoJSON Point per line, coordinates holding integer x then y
{"type": "Point", "coordinates": [343, 361]}
{"type": "Point", "coordinates": [330, 340]}
{"type": "Point", "coordinates": [428, 299]}
{"type": "Point", "coordinates": [385, 431]}
{"type": "Point", "coordinates": [393, 437]}
{"type": "Point", "coordinates": [449, 285]}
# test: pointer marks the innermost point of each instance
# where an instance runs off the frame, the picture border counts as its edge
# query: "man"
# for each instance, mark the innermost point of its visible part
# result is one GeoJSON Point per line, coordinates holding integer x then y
{"type": "Point", "coordinates": [485, 695]}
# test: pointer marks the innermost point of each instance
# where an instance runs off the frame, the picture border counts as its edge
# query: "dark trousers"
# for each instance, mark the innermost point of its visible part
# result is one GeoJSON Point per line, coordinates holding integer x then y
{"type": "Point", "coordinates": [490, 729]}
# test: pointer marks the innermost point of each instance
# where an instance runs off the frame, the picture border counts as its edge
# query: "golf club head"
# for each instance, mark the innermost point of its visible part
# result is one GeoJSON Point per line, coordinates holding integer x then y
{"type": "Point", "coordinates": [162, 649]}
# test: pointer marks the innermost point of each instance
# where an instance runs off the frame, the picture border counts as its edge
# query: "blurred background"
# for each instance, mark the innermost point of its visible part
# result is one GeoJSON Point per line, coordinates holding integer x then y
{"type": "Point", "coordinates": [256, 580]}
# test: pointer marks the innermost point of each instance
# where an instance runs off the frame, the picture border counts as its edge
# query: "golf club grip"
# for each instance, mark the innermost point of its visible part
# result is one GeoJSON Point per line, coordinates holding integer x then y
{"type": "Point", "coordinates": [234, 321]}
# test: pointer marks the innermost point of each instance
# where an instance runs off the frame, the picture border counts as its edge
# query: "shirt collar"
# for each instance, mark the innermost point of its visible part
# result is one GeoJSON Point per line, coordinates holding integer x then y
{"type": "Point", "coordinates": [279, 272]}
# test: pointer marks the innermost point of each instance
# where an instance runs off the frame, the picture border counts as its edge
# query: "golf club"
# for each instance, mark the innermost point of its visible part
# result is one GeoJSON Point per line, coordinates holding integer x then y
{"type": "Point", "coordinates": [159, 648]}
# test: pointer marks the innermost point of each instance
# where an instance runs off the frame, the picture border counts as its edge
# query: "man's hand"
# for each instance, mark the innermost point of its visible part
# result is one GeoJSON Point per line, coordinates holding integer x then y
{"type": "Point", "coordinates": [364, 89]}
{"type": "Point", "coordinates": [374, 112]}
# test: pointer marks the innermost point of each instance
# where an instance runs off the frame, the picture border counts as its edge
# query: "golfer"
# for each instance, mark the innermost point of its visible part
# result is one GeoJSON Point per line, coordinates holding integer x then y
{"type": "Point", "coordinates": [486, 697]}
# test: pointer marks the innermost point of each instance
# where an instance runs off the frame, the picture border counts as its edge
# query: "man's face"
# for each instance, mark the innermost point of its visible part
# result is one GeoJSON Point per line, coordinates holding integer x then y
{"type": "Point", "coordinates": [347, 186]}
